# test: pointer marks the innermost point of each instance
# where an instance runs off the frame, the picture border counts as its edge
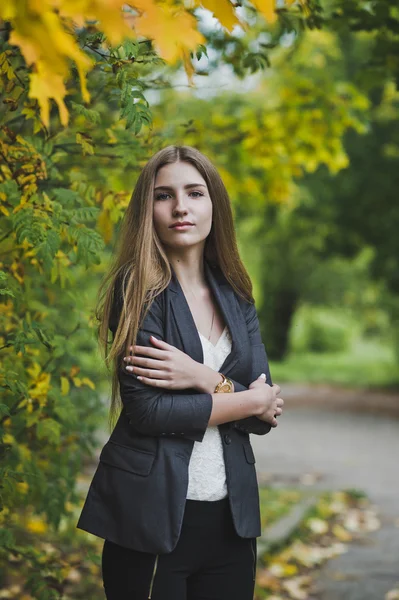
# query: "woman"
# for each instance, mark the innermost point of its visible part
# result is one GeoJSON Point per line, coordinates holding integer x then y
{"type": "Point", "coordinates": [175, 494]}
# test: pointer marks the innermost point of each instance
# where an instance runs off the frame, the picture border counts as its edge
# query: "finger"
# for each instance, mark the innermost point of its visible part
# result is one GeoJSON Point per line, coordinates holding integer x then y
{"type": "Point", "coordinates": [276, 388]}
{"type": "Point", "coordinates": [147, 373]}
{"type": "Point", "coordinates": [144, 362]}
{"type": "Point", "coordinates": [280, 402]}
{"type": "Point", "coordinates": [279, 411]}
{"type": "Point", "coordinates": [154, 382]}
{"type": "Point", "coordinates": [149, 351]}
{"type": "Point", "coordinates": [274, 422]}
{"type": "Point", "coordinates": [159, 342]}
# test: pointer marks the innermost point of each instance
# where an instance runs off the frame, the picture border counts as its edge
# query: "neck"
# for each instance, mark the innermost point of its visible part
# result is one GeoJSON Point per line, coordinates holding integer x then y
{"type": "Point", "coordinates": [190, 272]}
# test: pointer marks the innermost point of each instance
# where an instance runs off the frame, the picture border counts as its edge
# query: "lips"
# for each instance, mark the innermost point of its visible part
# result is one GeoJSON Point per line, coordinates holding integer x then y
{"type": "Point", "coordinates": [181, 225]}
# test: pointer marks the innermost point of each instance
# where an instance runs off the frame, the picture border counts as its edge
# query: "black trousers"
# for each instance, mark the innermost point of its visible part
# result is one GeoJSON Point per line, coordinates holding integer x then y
{"type": "Point", "coordinates": [209, 562]}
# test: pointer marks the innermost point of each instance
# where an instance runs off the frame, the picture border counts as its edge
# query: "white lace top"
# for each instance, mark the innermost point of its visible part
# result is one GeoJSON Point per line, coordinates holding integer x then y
{"type": "Point", "coordinates": [207, 475]}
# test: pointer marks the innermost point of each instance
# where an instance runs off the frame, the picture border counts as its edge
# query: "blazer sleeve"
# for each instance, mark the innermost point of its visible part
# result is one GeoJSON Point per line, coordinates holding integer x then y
{"type": "Point", "coordinates": [155, 411]}
{"type": "Point", "coordinates": [260, 365]}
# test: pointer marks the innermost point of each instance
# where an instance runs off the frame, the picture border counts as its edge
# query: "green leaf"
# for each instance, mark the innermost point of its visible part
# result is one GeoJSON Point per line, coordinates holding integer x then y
{"type": "Point", "coordinates": [65, 409]}
{"type": "Point", "coordinates": [91, 115]}
{"type": "Point", "coordinates": [48, 248]}
{"type": "Point", "coordinates": [83, 214]}
{"type": "Point", "coordinates": [7, 538]}
{"type": "Point", "coordinates": [67, 197]}
{"type": "Point", "coordinates": [4, 409]}
{"type": "Point", "coordinates": [50, 430]}
{"type": "Point", "coordinates": [4, 289]}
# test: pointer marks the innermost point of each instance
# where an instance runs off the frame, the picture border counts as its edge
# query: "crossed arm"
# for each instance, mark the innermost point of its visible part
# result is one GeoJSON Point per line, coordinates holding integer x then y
{"type": "Point", "coordinates": [259, 364]}
{"type": "Point", "coordinates": [184, 413]}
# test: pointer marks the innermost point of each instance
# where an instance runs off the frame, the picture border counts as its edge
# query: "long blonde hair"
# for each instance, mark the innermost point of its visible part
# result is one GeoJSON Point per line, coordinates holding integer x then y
{"type": "Point", "coordinates": [140, 269]}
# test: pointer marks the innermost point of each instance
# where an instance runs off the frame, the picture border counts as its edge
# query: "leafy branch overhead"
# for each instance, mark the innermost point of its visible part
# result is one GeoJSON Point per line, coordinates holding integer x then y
{"type": "Point", "coordinates": [51, 35]}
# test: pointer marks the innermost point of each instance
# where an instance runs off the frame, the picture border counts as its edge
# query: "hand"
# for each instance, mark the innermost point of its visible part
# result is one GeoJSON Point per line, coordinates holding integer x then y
{"type": "Point", "coordinates": [162, 366]}
{"type": "Point", "coordinates": [269, 405]}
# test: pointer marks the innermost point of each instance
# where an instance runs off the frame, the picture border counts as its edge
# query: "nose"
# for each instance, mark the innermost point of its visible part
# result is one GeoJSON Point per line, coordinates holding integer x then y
{"type": "Point", "coordinates": [180, 203]}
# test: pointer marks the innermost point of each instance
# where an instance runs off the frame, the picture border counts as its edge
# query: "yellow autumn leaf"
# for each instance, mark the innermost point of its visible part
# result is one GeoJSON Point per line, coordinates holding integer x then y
{"type": "Point", "coordinates": [8, 438]}
{"type": "Point", "coordinates": [22, 487]}
{"type": "Point", "coordinates": [105, 226]}
{"type": "Point", "coordinates": [114, 22]}
{"type": "Point", "coordinates": [267, 8]}
{"type": "Point", "coordinates": [88, 382]}
{"type": "Point", "coordinates": [223, 11]}
{"type": "Point", "coordinates": [64, 386]}
{"type": "Point", "coordinates": [341, 533]}
{"type": "Point", "coordinates": [36, 525]}
{"type": "Point", "coordinates": [283, 569]}
{"type": "Point", "coordinates": [44, 86]}
{"type": "Point", "coordinates": [41, 388]}
{"type": "Point", "coordinates": [34, 370]}
{"type": "Point", "coordinates": [171, 28]}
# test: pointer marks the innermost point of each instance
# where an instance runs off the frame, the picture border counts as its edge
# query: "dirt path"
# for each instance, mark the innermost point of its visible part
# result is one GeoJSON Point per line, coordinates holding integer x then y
{"type": "Point", "coordinates": [323, 444]}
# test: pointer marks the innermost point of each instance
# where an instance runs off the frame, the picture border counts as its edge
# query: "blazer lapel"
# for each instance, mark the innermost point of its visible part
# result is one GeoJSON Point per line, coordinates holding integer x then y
{"type": "Point", "coordinates": [224, 296]}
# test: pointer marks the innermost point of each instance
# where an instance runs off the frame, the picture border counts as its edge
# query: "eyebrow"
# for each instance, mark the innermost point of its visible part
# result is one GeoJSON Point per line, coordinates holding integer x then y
{"type": "Point", "coordinates": [189, 185]}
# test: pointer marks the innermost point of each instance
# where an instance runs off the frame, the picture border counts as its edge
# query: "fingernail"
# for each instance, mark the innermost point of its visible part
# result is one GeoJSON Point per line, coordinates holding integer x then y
{"type": "Point", "coordinates": [262, 375]}
{"type": "Point", "coordinates": [129, 368]}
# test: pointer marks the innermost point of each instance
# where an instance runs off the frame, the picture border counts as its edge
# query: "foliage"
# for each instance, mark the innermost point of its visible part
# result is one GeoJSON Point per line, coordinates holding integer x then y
{"type": "Point", "coordinates": [378, 21]}
{"type": "Point", "coordinates": [367, 363]}
{"type": "Point", "coordinates": [51, 35]}
{"type": "Point", "coordinates": [322, 330]}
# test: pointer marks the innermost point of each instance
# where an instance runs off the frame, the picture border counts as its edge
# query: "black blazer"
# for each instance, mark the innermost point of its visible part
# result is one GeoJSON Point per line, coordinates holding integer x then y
{"type": "Point", "coordinates": [137, 495]}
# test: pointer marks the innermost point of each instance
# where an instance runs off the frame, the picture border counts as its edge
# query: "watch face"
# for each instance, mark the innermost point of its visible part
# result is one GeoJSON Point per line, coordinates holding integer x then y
{"type": "Point", "coordinates": [226, 388]}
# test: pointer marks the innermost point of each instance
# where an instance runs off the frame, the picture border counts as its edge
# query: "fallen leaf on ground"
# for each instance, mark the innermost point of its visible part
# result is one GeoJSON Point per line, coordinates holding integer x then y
{"type": "Point", "coordinates": [341, 533]}
{"type": "Point", "coordinates": [361, 520]}
{"type": "Point", "coordinates": [317, 525]}
{"type": "Point", "coordinates": [282, 569]}
{"type": "Point", "coordinates": [296, 587]}
{"type": "Point", "coordinates": [266, 579]}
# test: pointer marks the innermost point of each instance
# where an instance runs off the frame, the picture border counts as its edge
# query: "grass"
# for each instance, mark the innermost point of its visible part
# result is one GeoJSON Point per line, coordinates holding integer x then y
{"type": "Point", "coordinates": [367, 364]}
{"type": "Point", "coordinates": [276, 503]}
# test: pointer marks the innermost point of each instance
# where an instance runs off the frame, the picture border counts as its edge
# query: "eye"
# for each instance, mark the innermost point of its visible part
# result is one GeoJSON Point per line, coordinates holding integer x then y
{"type": "Point", "coordinates": [158, 196]}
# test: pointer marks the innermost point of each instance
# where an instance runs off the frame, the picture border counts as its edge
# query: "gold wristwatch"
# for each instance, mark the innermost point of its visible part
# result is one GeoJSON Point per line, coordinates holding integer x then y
{"type": "Point", "coordinates": [226, 386]}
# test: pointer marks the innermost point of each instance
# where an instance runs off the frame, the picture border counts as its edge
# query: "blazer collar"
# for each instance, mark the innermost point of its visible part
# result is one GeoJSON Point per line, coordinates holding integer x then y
{"type": "Point", "coordinates": [223, 294]}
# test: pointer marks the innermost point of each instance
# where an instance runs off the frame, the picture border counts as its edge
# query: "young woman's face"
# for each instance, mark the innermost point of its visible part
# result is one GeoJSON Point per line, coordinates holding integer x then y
{"type": "Point", "coordinates": [181, 194]}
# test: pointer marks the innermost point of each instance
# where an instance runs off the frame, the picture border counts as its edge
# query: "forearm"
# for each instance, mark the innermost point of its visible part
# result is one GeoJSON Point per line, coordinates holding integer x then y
{"type": "Point", "coordinates": [244, 417]}
{"type": "Point", "coordinates": [232, 407]}
{"type": "Point", "coordinates": [155, 412]}
{"type": "Point", "coordinates": [205, 379]}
